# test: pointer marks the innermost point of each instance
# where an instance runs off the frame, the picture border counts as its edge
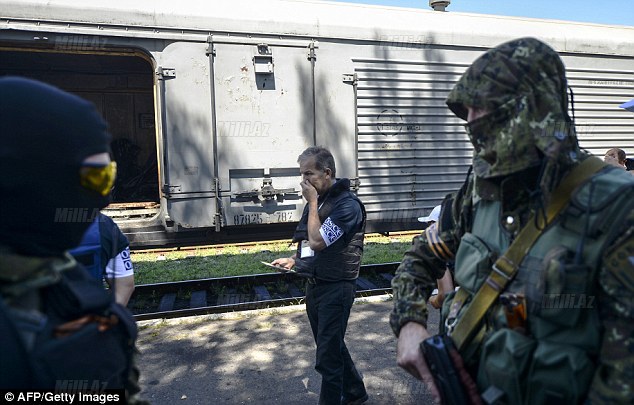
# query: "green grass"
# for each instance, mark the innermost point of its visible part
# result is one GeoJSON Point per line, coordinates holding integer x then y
{"type": "Point", "coordinates": [210, 262]}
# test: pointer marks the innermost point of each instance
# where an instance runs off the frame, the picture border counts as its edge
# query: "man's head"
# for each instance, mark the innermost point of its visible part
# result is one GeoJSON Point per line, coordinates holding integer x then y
{"type": "Point", "coordinates": [616, 157]}
{"type": "Point", "coordinates": [317, 165]}
{"type": "Point", "coordinates": [514, 97]}
{"type": "Point", "coordinates": [55, 164]}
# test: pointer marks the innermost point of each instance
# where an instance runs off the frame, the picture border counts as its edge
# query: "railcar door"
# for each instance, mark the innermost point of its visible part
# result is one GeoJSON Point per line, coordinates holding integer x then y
{"type": "Point", "coordinates": [265, 118]}
{"type": "Point", "coordinates": [187, 134]}
{"type": "Point", "coordinates": [118, 79]}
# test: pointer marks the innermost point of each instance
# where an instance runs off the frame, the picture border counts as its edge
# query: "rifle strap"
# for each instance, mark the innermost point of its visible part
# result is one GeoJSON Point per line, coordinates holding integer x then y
{"type": "Point", "coordinates": [507, 265]}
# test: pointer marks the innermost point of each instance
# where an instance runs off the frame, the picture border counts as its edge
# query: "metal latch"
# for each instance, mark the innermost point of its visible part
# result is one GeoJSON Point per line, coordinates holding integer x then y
{"type": "Point", "coordinates": [266, 193]}
{"type": "Point", "coordinates": [263, 62]}
{"type": "Point", "coordinates": [350, 78]}
{"type": "Point", "coordinates": [165, 73]}
{"type": "Point", "coordinates": [312, 55]}
{"type": "Point", "coordinates": [169, 189]}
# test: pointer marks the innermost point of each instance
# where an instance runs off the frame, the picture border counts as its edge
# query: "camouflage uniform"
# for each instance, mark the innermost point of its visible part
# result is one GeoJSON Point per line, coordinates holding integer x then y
{"type": "Point", "coordinates": [523, 148]}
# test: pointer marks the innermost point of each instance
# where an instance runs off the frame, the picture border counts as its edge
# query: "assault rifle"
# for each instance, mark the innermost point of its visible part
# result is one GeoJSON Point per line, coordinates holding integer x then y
{"type": "Point", "coordinates": [436, 352]}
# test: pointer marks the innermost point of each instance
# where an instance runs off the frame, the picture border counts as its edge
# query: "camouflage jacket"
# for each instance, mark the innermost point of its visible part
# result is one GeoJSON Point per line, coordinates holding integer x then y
{"type": "Point", "coordinates": [42, 294]}
{"type": "Point", "coordinates": [614, 282]}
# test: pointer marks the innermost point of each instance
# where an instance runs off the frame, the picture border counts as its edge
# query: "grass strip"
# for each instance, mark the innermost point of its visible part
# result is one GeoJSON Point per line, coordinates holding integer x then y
{"type": "Point", "coordinates": [208, 262]}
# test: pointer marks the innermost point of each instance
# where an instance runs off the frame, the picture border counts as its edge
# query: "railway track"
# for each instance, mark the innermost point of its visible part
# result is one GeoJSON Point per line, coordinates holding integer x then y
{"type": "Point", "coordinates": [247, 245]}
{"type": "Point", "coordinates": [230, 294]}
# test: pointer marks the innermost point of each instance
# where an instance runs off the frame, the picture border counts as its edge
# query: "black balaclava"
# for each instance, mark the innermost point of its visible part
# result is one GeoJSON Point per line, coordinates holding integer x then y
{"type": "Point", "coordinates": [45, 134]}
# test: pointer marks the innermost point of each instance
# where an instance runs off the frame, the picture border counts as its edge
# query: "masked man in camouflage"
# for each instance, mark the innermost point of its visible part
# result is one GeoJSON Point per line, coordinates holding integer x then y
{"type": "Point", "coordinates": [59, 329]}
{"type": "Point", "coordinates": [558, 325]}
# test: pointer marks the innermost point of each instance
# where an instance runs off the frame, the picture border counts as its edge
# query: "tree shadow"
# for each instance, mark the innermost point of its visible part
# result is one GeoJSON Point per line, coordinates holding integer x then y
{"type": "Point", "coordinates": [412, 150]}
{"type": "Point", "coordinates": [266, 359]}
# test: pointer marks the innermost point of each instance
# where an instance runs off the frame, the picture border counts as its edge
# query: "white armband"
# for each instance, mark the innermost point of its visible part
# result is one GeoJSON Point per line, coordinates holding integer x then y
{"type": "Point", "coordinates": [330, 232]}
{"type": "Point", "coordinates": [120, 265]}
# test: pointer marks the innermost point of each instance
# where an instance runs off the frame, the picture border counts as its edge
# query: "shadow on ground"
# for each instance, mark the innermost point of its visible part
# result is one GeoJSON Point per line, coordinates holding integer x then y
{"type": "Point", "coordinates": [267, 359]}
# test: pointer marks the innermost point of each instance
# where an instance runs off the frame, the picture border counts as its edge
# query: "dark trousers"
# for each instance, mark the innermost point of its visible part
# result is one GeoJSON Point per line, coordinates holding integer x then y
{"type": "Point", "coordinates": [328, 307]}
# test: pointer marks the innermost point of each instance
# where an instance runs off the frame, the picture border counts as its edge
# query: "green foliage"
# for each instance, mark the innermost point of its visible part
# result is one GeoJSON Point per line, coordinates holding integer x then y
{"type": "Point", "coordinates": [208, 262]}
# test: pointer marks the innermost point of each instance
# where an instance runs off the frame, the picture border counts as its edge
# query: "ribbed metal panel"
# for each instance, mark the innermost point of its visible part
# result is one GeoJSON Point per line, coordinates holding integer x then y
{"type": "Point", "coordinates": [601, 125]}
{"type": "Point", "coordinates": [412, 149]}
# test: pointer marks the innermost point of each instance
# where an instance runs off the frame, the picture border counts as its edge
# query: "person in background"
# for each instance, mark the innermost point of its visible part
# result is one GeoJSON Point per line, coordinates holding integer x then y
{"type": "Point", "coordinates": [445, 284]}
{"type": "Point", "coordinates": [615, 157]}
{"type": "Point", "coordinates": [329, 240]}
{"type": "Point", "coordinates": [105, 252]}
{"type": "Point", "coordinates": [629, 162]}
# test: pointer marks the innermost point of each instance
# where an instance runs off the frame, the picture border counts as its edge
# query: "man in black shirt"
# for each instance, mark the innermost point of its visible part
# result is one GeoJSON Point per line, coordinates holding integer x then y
{"type": "Point", "coordinates": [329, 240]}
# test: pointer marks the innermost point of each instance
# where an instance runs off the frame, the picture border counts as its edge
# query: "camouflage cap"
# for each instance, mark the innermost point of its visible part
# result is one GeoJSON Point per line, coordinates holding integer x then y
{"type": "Point", "coordinates": [522, 84]}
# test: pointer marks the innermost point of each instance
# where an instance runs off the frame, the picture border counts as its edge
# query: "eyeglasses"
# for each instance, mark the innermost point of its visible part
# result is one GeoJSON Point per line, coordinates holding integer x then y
{"type": "Point", "coordinates": [99, 178]}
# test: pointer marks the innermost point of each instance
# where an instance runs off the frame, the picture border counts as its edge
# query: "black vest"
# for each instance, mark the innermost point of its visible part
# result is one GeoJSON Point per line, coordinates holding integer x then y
{"type": "Point", "coordinates": [342, 259]}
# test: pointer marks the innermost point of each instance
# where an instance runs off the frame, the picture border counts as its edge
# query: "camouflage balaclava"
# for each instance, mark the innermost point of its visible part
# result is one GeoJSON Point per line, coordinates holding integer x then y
{"type": "Point", "coordinates": [522, 84]}
{"type": "Point", "coordinates": [45, 134]}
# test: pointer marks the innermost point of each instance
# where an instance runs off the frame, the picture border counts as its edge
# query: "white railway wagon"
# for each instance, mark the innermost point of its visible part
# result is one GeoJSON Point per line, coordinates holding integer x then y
{"type": "Point", "coordinates": [210, 103]}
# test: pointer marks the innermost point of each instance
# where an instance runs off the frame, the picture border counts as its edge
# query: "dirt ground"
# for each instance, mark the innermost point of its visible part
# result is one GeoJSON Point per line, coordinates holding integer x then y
{"type": "Point", "coordinates": [267, 357]}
